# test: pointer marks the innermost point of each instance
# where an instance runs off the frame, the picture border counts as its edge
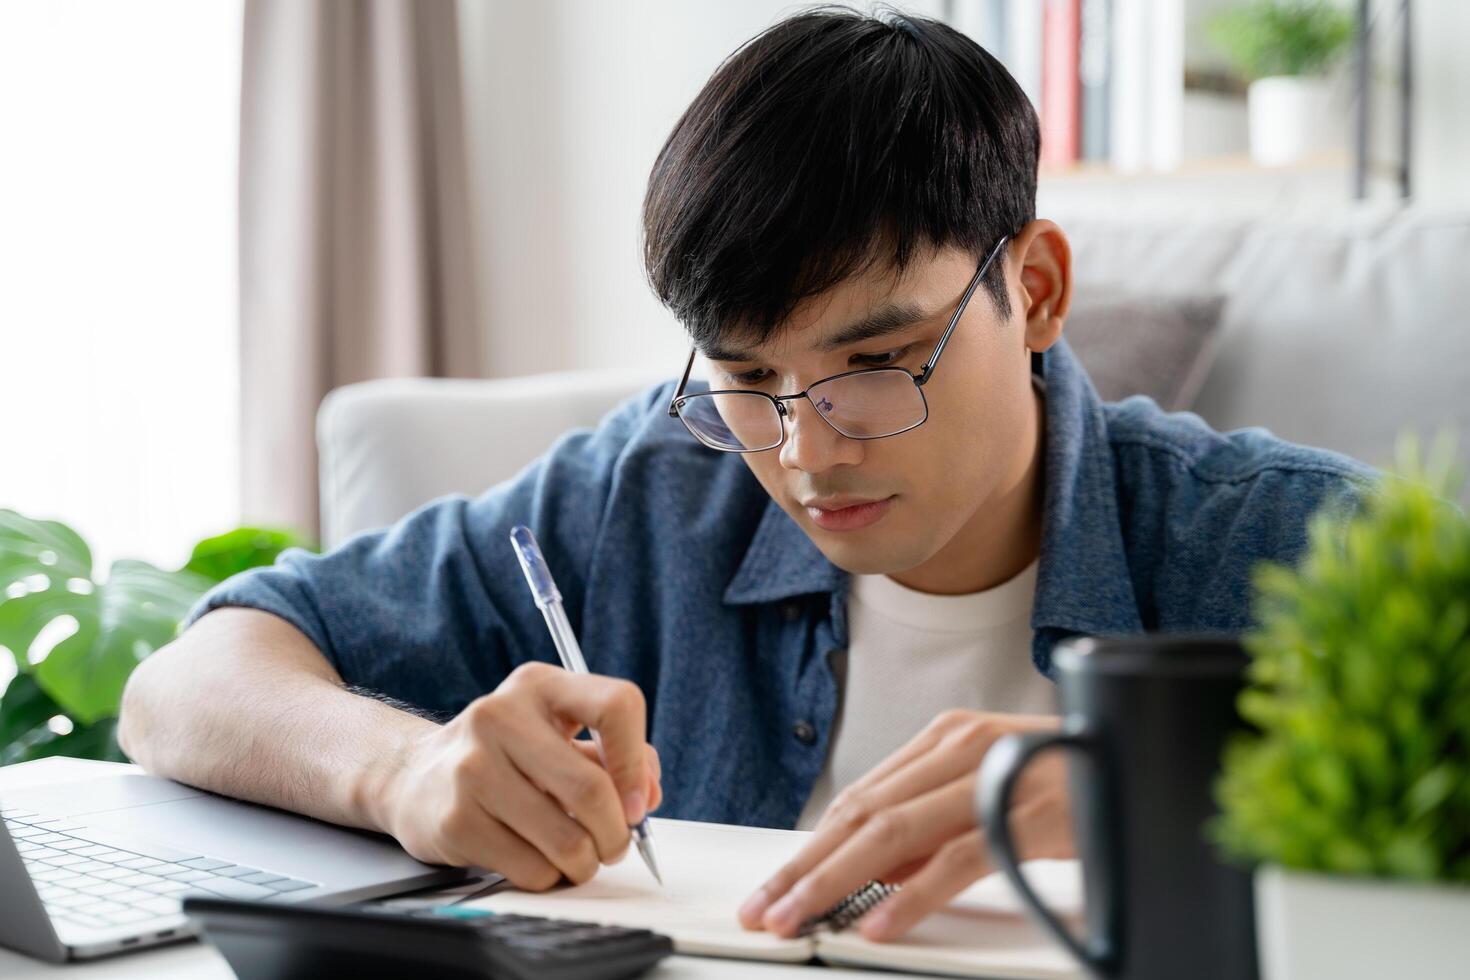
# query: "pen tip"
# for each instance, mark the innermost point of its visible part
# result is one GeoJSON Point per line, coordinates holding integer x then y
{"type": "Point", "coordinates": [645, 848]}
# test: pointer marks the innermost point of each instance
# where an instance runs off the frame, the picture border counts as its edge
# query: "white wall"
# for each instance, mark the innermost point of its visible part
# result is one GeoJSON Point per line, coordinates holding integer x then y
{"type": "Point", "coordinates": [570, 102]}
{"type": "Point", "coordinates": [1441, 135]}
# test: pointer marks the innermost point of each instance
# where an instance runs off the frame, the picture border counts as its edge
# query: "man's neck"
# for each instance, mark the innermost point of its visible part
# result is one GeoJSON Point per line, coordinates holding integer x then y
{"type": "Point", "coordinates": [1004, 535]}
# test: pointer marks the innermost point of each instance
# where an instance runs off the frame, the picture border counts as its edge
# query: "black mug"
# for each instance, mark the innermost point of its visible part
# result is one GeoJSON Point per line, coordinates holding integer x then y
{"type": "Point", "coordinates": [1145, 719]}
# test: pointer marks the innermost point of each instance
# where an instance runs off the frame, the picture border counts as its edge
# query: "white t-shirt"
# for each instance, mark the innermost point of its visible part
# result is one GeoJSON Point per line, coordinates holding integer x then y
{"type": "Point", "coordinates": [912, 656]}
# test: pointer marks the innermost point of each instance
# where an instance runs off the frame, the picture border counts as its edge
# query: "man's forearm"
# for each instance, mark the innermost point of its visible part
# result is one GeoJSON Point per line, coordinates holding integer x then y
{"type": "Point", "coordinates": [243, 704]}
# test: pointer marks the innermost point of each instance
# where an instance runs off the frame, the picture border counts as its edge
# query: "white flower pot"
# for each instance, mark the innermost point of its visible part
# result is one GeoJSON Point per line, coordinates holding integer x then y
{"type": "Point", "coordinates": [1332, 927]}
{"type": "Point", "coordinates": [1291, 118]}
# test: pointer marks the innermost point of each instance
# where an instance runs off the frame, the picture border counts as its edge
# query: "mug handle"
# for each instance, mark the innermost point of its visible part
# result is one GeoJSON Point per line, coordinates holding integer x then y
{"type": "Point", "coordinates": [999, 771]}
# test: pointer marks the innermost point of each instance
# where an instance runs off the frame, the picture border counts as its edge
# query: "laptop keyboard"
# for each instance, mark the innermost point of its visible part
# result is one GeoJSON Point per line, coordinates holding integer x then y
{"type": "Point", "coordinates": [89, 877]}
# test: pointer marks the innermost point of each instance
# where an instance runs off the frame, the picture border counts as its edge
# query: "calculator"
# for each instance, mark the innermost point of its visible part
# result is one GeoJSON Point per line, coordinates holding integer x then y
{"type": "Point", "coordinates": [267, 941]}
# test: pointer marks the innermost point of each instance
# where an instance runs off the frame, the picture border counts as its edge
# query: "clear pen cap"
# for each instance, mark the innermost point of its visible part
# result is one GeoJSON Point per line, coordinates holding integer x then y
{"type": "Point", "coordinates": [543, 587]}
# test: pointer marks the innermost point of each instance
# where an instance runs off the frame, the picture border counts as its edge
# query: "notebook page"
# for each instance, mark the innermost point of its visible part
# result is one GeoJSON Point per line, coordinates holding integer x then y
{"type": "Point", "coordinates": [983, 933]}
{"type": "Point", "coordinates": [709, 870]}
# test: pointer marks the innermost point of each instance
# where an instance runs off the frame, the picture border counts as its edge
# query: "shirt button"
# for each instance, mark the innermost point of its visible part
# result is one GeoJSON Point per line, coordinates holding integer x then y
{"type": "Point", "coordinates": [804, 732]}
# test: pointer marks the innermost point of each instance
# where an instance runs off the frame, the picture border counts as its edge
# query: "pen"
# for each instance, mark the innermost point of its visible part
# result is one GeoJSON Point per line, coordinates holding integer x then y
{"type": "Point", "coordinates": [548, 600]}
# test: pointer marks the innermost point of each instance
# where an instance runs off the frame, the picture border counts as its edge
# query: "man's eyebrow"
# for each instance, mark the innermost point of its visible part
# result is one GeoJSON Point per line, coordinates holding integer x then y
{"type": "Point", "coordinates": [882, 322]}
{"type": "Point", "coordinates": [714, 352]}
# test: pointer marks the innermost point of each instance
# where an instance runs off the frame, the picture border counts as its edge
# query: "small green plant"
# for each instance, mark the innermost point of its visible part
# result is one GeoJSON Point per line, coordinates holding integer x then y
{"type": "Point", "coordinates": [1360, 688]}
{"type": "Point", "coordinates": [75, 640]}
{"type": "Point", "coordinates": [1283, 37]}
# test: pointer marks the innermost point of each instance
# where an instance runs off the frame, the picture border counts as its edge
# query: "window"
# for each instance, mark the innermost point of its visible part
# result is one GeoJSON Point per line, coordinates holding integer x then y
{"type": "Point", "coordinates": [118, 363]}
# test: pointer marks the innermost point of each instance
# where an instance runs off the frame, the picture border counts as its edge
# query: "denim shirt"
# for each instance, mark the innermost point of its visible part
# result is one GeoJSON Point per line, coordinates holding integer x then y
{"type": "Point", "coordinates": [681, 574]}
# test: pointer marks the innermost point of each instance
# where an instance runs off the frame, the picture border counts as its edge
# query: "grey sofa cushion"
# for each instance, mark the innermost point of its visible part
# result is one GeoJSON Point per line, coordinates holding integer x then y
{"type": "Point", "coordinates": [1340, 330]}
{"type": "Point", "coordinates": [1135, 344]}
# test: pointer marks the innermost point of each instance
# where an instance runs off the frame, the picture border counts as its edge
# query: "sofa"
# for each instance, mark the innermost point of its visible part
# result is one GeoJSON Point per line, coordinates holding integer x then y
{"type": "Point", "coordinates": [1339, 330]}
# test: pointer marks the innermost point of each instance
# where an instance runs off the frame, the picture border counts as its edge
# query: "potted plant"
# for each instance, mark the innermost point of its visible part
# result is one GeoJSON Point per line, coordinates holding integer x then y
{"type": "Point", "coordinates": [1286, 48]}
{"type": "Point", "coordinates": [1353, 797]}
{"type": "Point", "coordinates": [75, 639]}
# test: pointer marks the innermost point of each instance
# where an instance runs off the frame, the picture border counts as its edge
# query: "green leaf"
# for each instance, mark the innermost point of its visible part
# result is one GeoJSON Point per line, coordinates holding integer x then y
{"type": "Point", "coordinates": [1282, 37]}
{"type": "Point", "coordinates": [220, 557]}
{"type": "Point", "coordinates": [24, 709]}
{"type": "Point", "coordinates": [28, 547]}
{"type": "Point", "coordinates": [1359, 684]}
{"type": "Point", "coordinates": [96, 741]}
{"type": "Point", "coordinates": [1431, 790]}
{"type": "Point", "coordinates": [46, 583]}
{"type": "Point", "coordinates": [22, 618]}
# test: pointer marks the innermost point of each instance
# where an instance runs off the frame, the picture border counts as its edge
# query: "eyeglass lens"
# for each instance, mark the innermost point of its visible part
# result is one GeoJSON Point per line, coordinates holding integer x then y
{"type": "Point", "coordinates": [866, 405]}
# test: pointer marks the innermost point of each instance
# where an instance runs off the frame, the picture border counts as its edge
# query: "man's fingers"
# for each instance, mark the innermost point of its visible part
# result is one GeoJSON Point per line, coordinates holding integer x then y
{"type": "Point", "coordinates": [655, 772]}
{"type": "Point", "coordinates": [655, 780]}
{"type": "Point", "coordinates": [655, 766]}
{"type": "Point", "coordinates": [893, 839]}
{"type": "Point", "coordinates": [953, 868]}
{"type": "Point", "coordinates": [917, 747]}
{"type": "Point", "coordinates": [830, 835]}
{"type": "Point", "coordinates": [964, 736]}
{"type": "Point", "coordinates": [580, 786]}
{"type": "Point", "coordinates": [856, 805]}
{"type": "Point", "coordinates": [529, 813]}
{"type": "Point", "coordinates": [852, 811]}
{"type": "Point", "coordinates": [471, 836]}
{"type": "Point", "coordinates": [615, 709]}
{"type": "Point", "coordinates": [924, 774]}
{"type": "Point", "coordinates": [817, 848]}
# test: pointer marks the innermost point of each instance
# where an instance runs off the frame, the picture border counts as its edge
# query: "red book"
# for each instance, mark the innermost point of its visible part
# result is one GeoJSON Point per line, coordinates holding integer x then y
{"type": "Point", "coordinates": [1061, 87]}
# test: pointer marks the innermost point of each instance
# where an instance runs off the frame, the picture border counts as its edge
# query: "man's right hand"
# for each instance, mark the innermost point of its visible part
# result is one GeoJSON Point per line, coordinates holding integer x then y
{"type": "Point", "coordinates": [505, 785]}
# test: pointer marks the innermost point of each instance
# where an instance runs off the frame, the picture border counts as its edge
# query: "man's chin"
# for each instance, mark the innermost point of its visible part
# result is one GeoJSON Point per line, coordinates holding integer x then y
{"type": "Point", "coordinates": [871, 551]}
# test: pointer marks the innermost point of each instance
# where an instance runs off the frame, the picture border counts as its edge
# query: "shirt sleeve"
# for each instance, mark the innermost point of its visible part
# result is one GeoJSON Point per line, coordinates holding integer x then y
{"type": "Point", "coordinates": [434, 610]}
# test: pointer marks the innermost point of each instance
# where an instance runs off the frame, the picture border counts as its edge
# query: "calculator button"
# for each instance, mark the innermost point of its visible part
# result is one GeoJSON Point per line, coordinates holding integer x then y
{"type": "Point", "coordinates": [458, 912]}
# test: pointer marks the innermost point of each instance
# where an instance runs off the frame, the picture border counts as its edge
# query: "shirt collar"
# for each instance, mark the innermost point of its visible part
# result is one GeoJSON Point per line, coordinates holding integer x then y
{"type": "Point", "coordinates": [1083, 583]}
{"type": "Point", "coordinates": [781, 563]}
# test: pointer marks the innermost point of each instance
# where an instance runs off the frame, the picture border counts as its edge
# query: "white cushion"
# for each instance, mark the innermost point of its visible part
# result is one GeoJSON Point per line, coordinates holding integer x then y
{"type": "Point", "coordinates": [388, 446]}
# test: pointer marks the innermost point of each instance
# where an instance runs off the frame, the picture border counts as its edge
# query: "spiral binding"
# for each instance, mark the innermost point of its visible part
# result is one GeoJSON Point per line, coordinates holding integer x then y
{"type": "Point", "coordinates": [849, 910]}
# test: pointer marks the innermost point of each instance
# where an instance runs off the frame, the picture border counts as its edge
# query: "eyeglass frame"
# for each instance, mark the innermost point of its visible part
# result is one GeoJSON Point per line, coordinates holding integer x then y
{"type": "Point", "coordinates": [919, 380]}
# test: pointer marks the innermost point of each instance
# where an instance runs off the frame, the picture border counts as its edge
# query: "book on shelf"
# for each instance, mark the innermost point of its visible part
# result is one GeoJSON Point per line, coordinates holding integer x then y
{"type": "Point", "coordinates": [1061, 90]}
{"type": "Point", "coordinates": [1105, 76]}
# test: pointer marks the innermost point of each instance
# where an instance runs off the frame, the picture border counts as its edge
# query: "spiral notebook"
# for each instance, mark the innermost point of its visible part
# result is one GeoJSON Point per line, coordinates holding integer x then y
{"type": "Point", "coordinates": [710, 869]}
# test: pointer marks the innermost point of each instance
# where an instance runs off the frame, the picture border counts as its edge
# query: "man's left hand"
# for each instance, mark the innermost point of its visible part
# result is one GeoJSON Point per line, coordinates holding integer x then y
{"type": "Point", "coordinates": [912, 821]}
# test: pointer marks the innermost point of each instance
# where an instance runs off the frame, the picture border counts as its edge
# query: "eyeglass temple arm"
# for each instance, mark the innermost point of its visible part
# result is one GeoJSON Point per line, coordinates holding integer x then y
{"type": "Point", "coordinates": [673, 402]}
{"type": "Point", "coordinates": [928, 370]}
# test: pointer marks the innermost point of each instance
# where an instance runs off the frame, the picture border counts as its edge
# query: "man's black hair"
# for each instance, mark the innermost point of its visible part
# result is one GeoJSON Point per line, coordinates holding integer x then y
{"type": "Point", "coordinates": [830, 144]}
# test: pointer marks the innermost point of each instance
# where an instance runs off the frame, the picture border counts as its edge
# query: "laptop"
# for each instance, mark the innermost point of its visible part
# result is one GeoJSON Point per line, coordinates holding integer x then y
{"type": "Point", "coordinates": [101, 865]}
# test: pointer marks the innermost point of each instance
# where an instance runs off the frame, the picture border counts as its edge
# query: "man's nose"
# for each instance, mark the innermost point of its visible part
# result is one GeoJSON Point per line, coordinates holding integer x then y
{"type": "Point", "coordinates": [811, 444]}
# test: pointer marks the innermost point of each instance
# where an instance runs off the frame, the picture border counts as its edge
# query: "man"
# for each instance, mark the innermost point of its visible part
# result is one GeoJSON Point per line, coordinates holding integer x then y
{"type": "Point", "coordinates": [839, 580]}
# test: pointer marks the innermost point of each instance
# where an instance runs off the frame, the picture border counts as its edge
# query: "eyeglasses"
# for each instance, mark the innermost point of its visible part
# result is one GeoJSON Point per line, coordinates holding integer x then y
{"type": "Point", "coordinates": [870, 403]}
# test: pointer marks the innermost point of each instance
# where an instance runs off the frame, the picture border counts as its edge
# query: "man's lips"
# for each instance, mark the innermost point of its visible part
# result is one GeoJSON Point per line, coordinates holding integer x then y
{"type": "Point", "coordinates": [845, 513]}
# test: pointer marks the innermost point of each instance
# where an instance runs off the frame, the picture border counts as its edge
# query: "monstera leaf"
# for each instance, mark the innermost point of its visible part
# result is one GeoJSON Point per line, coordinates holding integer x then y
{"type": "Point", "coordinates": [75, 640]}
{"type": "Point", "coordinates": [235, 551]}
{"type": "Point", "coordinates": [25, 711]}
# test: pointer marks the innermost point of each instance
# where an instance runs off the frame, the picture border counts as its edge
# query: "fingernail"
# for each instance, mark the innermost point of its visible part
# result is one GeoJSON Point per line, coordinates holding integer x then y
{"type": "Point", "coordinates": [754, 906]}
{"type": "Point", "coordinates": [635, 806]}
{"type": "Point", "coordinates": [783, 917]}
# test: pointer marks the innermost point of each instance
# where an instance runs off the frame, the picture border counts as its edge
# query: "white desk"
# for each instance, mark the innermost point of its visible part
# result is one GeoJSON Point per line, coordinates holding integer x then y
{"type": "Point", "coordinates": [195, 961]}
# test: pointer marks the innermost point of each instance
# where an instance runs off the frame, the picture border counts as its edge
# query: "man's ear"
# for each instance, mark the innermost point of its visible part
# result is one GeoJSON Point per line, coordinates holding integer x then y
{"type": "Point", "coordinates": [1044, 259]}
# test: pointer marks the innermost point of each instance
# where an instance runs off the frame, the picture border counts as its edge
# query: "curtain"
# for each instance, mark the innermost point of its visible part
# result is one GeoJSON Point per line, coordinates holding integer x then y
{"type": "Point", "coordinates": [355, 245]}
